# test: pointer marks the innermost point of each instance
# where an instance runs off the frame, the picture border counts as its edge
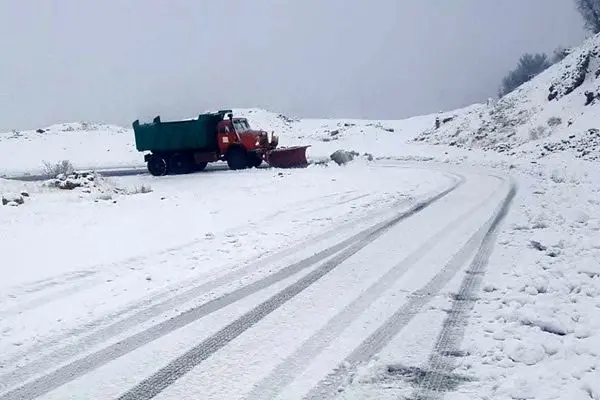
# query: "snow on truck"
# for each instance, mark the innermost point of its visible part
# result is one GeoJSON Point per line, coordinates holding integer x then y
{"type": "Point", "coordinates": [180, 147]}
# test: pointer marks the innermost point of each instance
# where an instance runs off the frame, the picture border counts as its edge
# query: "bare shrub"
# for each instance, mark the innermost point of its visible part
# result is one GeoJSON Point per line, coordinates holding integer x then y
{"type": "Point", "coordinates": [558, 176]}
{"type": "Point", "coordinates": [63, 167]}
{"type": "Point", "coordinates": [554, 121]}
{"type": "Point", "coordinates": [536, 133]}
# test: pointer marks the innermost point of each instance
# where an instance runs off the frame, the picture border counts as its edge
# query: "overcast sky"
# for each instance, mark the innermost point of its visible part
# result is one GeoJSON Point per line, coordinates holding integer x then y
{"type": "Point", "coordinates": [118, 60]}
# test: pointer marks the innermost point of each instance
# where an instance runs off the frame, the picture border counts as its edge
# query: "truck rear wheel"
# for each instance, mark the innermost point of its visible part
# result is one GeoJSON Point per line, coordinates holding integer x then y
{"type": "Point", "coordinates": [180, 163]}
{"type": "Point", "coordinates": [157, 166]}
{"type": "Point", "coordinates": [237, 158]}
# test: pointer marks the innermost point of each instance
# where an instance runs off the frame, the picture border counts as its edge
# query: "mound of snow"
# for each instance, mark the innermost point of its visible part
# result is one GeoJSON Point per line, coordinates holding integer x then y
{"type": "Point", "coordinates": [528, 354]}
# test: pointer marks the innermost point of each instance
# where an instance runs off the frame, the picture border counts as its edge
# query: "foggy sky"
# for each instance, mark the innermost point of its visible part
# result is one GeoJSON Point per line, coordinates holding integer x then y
{"type": "Point", "coordinates": [117, 60]}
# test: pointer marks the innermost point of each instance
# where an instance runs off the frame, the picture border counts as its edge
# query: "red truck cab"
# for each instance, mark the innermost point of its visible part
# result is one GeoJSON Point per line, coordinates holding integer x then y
{"type": "Point", "coordinates": [236, 132]}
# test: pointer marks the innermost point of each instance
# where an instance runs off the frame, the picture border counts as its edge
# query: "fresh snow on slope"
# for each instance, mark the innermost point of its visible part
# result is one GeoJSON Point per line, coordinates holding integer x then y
{"type": "Point", "coordinates": [545, 115]}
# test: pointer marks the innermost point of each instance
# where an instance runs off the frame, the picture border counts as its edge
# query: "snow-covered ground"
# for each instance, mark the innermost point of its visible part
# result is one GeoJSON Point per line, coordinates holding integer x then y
{"type": "Point", "coordinates": [535, 333]}
{"type": "Point", "coordinates": [263, 283]}
{"type": "Point", "coordinates": [190, 269]}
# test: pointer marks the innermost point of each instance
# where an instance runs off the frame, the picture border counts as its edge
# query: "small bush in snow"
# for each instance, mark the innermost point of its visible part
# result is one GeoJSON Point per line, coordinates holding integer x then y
{"type": "Point", "coordinates": [557, 177]}
{"type": "Point", "coordinates": [559, 54]}
{"type": "Point", "coordinates": [537, 132]}
{"type": "Point", "coordinates": [63, 167]}
{"type": "Point", "coordinates": [554, 121]}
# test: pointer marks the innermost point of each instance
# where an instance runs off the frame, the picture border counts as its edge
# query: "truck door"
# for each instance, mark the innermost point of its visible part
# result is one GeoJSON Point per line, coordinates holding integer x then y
{"type": "Point", "coordinates": [225, 136]}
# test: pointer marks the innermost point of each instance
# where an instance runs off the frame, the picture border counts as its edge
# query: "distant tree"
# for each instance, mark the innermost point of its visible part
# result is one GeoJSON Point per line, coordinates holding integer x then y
{"type": "Point", "coordinates": [529, 66]}
{"type": "Point", "coordinates": [590, 11]}
{"type": "Point", "coordinates": [559, 54]}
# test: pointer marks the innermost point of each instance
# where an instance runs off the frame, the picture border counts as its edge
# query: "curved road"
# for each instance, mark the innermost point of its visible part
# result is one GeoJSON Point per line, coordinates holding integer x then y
{"type": "Point", "coordinates": [117, 171]}
{"type": "Point", "coordinates": [304, 331]}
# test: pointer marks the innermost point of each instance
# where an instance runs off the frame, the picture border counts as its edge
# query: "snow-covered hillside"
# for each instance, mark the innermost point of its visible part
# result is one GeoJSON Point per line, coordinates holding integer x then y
{"type": "Point", "coordinates": [556, 111]}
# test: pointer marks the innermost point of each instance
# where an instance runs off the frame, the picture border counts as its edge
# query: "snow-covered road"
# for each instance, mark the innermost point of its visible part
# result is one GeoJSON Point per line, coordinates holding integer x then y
{"type": "Point", "coordinates": [387, 267]}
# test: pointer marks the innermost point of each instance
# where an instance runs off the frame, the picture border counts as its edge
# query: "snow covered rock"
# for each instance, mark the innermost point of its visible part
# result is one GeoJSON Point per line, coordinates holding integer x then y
{"type": "Point", "coordinates": [69, 184]}
{"type": "Point", "coordinates": [537, 245]}
{"type": "Point", "coordinates": [528, 354]}
{"type": "Point", "coordinates": [12, 199]}
{"type": "Point", "coordinates": [341, 157]}
{"type": "Point", "coordinates": [73, 181]}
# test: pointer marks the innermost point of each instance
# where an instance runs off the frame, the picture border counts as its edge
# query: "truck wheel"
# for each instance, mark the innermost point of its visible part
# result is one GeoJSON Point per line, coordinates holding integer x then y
{"type": "Point", "coordinates": [237, 158]}
{"type": "Point", "coordinates": [254, 160]}
{"type": "Point", "coordinates": [180, 163]}
{"type": "Point", "coordinates": [157, 166]}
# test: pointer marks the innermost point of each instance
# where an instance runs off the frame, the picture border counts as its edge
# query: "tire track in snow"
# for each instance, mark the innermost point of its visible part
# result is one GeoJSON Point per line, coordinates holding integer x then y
{"type": "Point", "coordinates": [167, 375]}
{"type": "Point", "coordinates": [86, 278]}
{"type": "Point", "coordinates": [285, 372]}
{"type": "Point", "coordinates": [441, 362]}
{"type": "Point", "coordinates": [327, 387]}
{"type": "Point", "coordinates": [53, 341]}
{"type": "Point", "coordinates": [145, 310]}
{"type": "Point", "coordinates": [75, 369]}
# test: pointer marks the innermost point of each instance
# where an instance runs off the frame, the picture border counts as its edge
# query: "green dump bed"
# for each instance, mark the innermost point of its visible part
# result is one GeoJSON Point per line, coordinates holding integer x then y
{"type": "Point", "coordinates": [196, 134]}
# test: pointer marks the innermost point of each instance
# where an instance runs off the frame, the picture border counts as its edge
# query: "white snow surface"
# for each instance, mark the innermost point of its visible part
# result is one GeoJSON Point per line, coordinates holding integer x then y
{"type": "Point", "coordinates": [76, 261]}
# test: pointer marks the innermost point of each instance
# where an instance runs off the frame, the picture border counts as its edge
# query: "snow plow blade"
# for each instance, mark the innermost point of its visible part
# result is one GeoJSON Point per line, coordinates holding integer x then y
{"type": "Point", "coordinates": [288, 157]}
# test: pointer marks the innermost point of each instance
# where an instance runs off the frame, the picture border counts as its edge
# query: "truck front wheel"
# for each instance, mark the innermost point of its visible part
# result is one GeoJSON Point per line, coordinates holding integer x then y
{"type": "Point", "coordinates": [254, 160]}
{"type": "Point", "coordinates": [157, 166]}
{"type": "Point", "coordinates": [237, 158]}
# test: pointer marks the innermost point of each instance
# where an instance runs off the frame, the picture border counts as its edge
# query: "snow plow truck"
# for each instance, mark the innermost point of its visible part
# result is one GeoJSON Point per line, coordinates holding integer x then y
{"type": "Point", "coordinates": [181, 147]}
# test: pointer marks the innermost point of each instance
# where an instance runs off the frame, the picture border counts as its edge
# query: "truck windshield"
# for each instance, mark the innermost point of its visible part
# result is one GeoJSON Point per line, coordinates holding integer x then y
{"type": "Point", "coordinates": [241, 125]}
